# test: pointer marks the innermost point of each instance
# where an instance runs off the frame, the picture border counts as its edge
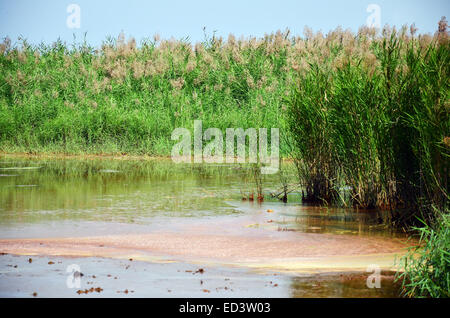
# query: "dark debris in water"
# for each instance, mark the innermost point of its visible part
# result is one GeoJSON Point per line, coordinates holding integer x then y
{"type": "Point", "coordinates": [78, 274]}
{"type": "Point", "coordinates": [126, 291]}
{"type": "Point", "coordinates": [91, 290]}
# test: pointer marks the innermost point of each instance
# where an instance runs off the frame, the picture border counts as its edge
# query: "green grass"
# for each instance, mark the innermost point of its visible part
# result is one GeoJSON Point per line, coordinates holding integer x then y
{"type": "Point", "coordinates": [128, 99]}
{"type": "Point", "coordinates": [427, 266]}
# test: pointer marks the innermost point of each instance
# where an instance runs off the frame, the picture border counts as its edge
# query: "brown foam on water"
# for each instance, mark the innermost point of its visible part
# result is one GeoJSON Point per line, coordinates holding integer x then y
{"type": "Point", "coordinates": [258, 249]}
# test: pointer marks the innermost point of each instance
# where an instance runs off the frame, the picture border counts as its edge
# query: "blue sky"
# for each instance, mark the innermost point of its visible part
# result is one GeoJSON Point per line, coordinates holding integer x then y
{"type": "Point", "coordinates": [45, 20]}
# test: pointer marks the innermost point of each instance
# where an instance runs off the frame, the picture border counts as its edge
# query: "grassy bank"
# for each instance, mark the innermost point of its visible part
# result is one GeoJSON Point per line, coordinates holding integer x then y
{"type": "Point", "coordinates": [427, 266]}
{"type": "Point", "coordinates": [128, 99]}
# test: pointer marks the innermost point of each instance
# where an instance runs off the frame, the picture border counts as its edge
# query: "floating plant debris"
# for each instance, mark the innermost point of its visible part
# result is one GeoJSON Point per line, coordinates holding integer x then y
{"type": "Point", "coordinates": [91, 290]}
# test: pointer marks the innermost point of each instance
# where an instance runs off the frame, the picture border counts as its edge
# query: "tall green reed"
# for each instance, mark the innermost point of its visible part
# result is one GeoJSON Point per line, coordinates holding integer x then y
{"type": "Point", "coordinates": [373, 115]}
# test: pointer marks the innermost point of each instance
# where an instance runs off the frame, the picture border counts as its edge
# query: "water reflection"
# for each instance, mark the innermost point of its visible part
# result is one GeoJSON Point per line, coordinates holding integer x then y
{"type": "Point", "coordinates": [136, 191]}
{"type": "Point", "coordinates": [344, 285]}
{"type": "Point", "coordinates": [111, 190]}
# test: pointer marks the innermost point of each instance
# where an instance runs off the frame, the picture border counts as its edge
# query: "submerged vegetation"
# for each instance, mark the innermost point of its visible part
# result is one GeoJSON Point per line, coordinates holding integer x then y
{"type": "Point", "coordinates": [364, 116]}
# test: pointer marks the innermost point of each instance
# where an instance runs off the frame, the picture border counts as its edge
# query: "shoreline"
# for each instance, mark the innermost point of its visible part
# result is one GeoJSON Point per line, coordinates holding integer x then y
{"type": "Point", "coordinates": [43, 155]}
{"type": "Point", "coordinates": [106, 156]}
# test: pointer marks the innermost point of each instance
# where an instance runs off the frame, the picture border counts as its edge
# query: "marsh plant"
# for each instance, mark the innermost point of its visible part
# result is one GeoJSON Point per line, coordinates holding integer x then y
{"type": "Point", "coordinates": [128, 98]}
{"type": "Point", "coordinates": [235, 146]}
{"type": "Point", "coordinates": [372, 113]}
{"type": "Point", "coordinates": [427, 266]}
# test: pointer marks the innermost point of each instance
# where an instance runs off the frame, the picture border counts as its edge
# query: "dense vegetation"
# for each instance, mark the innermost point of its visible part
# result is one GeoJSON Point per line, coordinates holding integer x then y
{"type": "Point", "coordinates": [364, 116]}
{"type": "Point", "coordinates": [128, 99]}
{"type": "Point", "coordinates": [427, 266]}
{"type": "Point", "coordinates": [372, 114]}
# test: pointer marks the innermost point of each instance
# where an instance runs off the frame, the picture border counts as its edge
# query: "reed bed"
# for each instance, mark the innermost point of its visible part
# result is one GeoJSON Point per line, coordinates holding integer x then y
{"type": "Point", "coordinates": [371, 113]}
{"type": "Point", "coordinates": [125, 98]}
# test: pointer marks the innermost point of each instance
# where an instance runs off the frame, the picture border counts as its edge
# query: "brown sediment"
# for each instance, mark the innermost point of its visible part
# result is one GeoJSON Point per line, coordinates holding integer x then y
{"type": "Point", "coordinates": [299, 251]}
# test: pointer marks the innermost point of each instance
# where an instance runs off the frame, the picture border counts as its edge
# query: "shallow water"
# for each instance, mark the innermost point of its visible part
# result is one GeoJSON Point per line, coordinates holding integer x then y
{"type": "Point", "coordinates": [125, 278]}
{"type": "Point", "coordinates": [148, 208]}
{"type": "Point", "coordinates": [107, 192]}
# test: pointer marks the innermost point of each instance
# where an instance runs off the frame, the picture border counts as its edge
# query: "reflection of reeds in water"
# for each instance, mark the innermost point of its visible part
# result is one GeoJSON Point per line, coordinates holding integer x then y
{"type": "Point", "coordinates": [256, 183]}
{"type": "Point", "coordinates": [288, 181]}
{"type": "Point", "coordinates": [114, 190]}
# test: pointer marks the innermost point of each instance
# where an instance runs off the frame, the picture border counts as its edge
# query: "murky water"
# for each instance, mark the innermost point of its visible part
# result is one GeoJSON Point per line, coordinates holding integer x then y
{"type": "Point", "coordinates": [107, 202]}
